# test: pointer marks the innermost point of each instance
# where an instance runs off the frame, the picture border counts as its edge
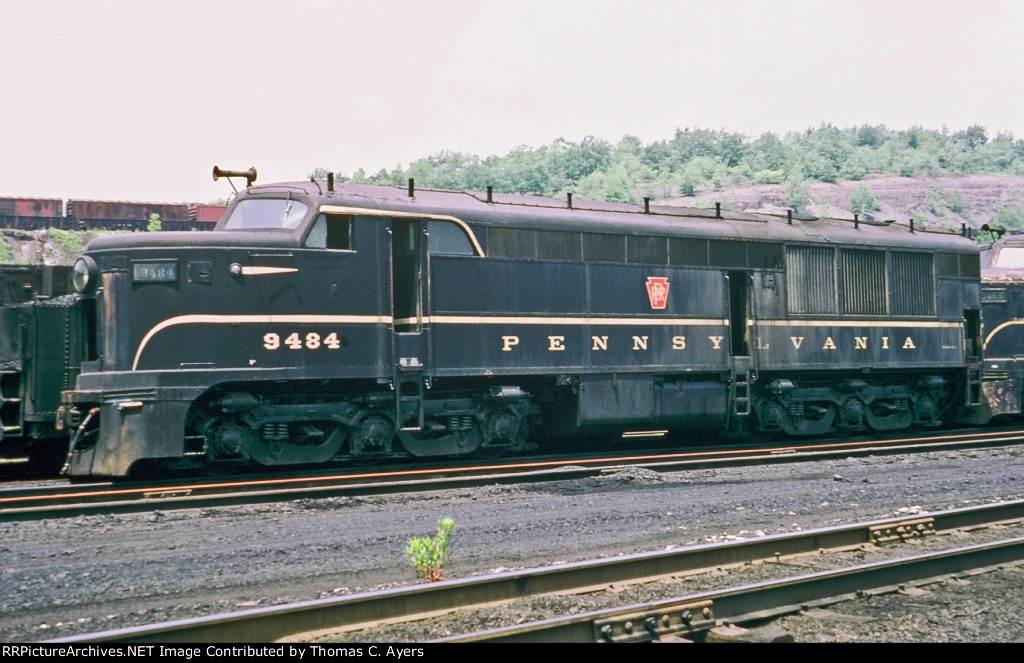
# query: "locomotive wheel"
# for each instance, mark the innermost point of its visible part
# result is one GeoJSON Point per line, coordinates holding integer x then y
{"type": "Point", "coordinates": [506, 433]}
{"type": "Point", "coordinates": [452, 443]}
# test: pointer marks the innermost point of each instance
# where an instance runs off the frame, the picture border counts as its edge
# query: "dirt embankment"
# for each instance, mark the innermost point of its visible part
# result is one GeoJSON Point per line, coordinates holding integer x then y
{"type": "Point", "coordinates": [42, 247]}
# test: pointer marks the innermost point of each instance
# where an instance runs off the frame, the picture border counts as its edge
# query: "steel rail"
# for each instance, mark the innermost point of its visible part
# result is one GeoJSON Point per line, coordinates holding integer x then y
{"type": "Point", "coordinates": [38, 505]}
{"type": "Point", "coordinates": [719, 454]}
{"type": "Point", "coordinates": [407, 603]}
{"type": "Point", "coordinates": [184, 499]}
{"type": "Point", "coordinates": [695, 614]}
{"type": "Point", "coordinates": [18, 497]}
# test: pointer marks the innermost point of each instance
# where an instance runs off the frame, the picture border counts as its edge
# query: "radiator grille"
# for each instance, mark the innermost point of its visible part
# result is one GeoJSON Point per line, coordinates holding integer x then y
{"type": "Point", "coordinates": [511, 243]}
{"type": "Point", "coordinates": [688, 251]}
{"type": "Point", "coordinates": [811, 279]}
{"type": "Point", "coordinates": [604, 248]}
{"type": "Point", "coordinates": [913, 284]}
{"type": "Point", "coordinates": [649, 250]}
{"type": "Point", "coordinates": [553, 245]}
{"type": "Point", "coordinates": [864, 289]}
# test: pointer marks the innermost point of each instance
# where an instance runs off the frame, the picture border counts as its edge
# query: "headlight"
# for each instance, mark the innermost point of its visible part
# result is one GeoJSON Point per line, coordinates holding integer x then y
{"type": "Point", "coordinates": [85, 275]}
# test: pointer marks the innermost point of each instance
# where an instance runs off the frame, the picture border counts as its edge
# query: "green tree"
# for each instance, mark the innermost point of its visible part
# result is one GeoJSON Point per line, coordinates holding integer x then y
{"type": "Point", "coordinates": [687, 145]}
{"type": "Point", "coordinates": [525, 172]}
{"type": "Point", "coordinates": [798, 190]}
{"type": "Point", "coordinates": [862, 201]}
{"type": "Point", "coordinates": [154, 223]}
{"type": "Point", "coordinates": [665, 183]}
{"type": "Point", "coordinates": [628, 154]}
{"type": "Point", "coordinates": [444, 170]}
{"type": "Point", "coordinates": [690, 179]}
{"type": "Point", "coordinates": [613, 185]}
{"type": "Point", "coordinates": [814, 166]}
{"type": "Point", "coordinates": [694, 159]}
{"type": "Point", "coordinates": [582, 159]}
{"type": "Point", "coordinates": [870, 136]}
{"type": "Point", "coordinates": [972, 138]}
{"type": "Point", "coordinates": [767, 153]}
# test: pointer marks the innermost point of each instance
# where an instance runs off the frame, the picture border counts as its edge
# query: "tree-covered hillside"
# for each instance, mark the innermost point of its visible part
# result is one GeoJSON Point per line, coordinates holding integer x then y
{"type": "Point", "coordinates": [705, 165]}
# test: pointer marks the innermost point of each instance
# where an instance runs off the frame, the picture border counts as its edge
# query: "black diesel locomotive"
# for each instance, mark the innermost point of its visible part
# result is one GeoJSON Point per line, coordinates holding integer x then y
{"type": "Point", "coordinates": [1002, 304]}
{"type": "Point", "coordinates": [40, 337]}
{"type": "Point", "coordinates": [319, 323]}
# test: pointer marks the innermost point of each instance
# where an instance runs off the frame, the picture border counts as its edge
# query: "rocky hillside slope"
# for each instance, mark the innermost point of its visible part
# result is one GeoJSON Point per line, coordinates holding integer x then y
{"type": "Point", "coordinates": [949, 201]}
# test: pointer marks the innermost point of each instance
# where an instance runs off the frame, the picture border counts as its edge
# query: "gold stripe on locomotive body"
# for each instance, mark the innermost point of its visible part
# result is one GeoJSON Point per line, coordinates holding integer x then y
{"type": "Point", "coordinates": [269, 319]}
{"type": "Point", "coordinates": [1000, 327]}
{"type": "Point", "coordinates": [599, 342]}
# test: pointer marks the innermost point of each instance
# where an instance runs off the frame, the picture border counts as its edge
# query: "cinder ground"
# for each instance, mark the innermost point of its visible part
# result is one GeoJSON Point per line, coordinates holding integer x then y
{"type": "Point", "coordinates": [95, 573]}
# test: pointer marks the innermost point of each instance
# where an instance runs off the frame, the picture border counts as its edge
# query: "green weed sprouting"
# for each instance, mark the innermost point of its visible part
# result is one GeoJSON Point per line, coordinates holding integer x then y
{"type": "Point", "coordinates": [430, 554]}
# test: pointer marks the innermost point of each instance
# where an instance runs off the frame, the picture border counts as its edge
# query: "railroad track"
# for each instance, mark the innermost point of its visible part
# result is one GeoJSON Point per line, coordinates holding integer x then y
{"type": "Point", "coordinates": [682, 616]}
{"type": "Point", "coordinates": [76, 500]}
{"type": "Point", "coordinates": [692, 617]}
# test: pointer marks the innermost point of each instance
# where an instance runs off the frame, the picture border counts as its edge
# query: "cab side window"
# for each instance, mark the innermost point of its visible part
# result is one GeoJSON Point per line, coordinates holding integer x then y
{"type": "Point", "coordinates": [448, 238]}
{"type": "Point", "coordinates": [332, 231]}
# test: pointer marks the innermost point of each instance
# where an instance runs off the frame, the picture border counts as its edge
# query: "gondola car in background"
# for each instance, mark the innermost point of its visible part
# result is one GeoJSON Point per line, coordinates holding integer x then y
{"type": "Point", "coordinates": [320, 323]}
{"type": "Point", "coordinates": [39, 213]}
{"type": "Point", "coordinates": [31, 213]}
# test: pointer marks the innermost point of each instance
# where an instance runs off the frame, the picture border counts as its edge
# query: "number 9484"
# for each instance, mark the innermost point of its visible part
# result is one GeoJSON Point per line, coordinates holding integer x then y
{"type": "Point", "coordinates": [295, 341]}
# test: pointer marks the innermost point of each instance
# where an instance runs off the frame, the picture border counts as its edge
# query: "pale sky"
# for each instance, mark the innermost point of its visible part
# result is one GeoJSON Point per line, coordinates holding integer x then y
{"type": "Point", "coordinates": [136, 100]}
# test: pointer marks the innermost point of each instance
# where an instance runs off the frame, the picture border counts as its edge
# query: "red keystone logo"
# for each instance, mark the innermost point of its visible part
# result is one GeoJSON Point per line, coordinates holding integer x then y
{"type": "Point", "coordinates": [657, 291]}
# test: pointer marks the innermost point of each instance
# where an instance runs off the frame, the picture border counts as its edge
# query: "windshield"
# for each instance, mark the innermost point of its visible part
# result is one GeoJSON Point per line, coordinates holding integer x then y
{"type": "Point", "coordinates": [1010, 257]}
{"type": "Point", "coordinates": [266, 213]}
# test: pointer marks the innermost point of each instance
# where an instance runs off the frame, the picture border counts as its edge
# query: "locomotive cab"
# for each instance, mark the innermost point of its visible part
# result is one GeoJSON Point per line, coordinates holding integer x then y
{"type": "Point", "coordinates": [295, 332]}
